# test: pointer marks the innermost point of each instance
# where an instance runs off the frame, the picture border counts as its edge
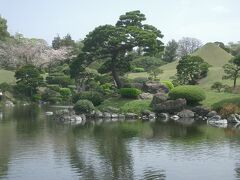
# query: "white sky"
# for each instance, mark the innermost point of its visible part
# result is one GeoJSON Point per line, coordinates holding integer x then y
{"type": "Point", "coordinates": [207, 20]}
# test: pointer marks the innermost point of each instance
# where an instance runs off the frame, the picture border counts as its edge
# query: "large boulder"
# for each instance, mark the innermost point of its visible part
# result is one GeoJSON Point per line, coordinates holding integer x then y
{"type": "Point", "coordinates": [201, 111]}
{"type": "Point", "coordinates": [170, 106]}
{"type": "Point", "coordinates": [158, 99]}
{"type": "Point", "coordinates": [145, 96]}
{"type": "Point", "coordinates": [155, 87]}
{"type": "Point", "coordinates": [186, 114]}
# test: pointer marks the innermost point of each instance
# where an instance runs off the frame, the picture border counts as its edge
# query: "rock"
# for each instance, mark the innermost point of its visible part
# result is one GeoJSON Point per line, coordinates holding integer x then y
{"type": "Point", "coordinates": [146, 96]}
{"type": "Point", "coordinates": [175, 117]}
{"type": "Point", "coordinates": [131, 116]}
{"type": "Point", "coordinates": [200, 110]}
{"type": "Point", "coordinates": [234, 118]}
{"type": "Point", "coordinates": [215, 118]}
{"type": "Point", "coordinates": [158, 98]}
{"type": "Point", "coordinates": [121, 116]}
{"type": "Point", "coordinates": [211, 114]}
{"type": "Point", "coordinates": [155, 87]}
{"type": "Point", "coordinates": [186, 114]}
{"type": "Point", "coordinates": [49, 113]}
{"type": "Point", "coordinates": [114, 115]}
{"type": "Point", "coordinates": [98, 114]}
{"type": "Point", "coordinates": [9, 104]}
{"type": "Point", "coordinates": [107, 115]}
{"type": "Point", "coordinates": [152, 116]}
{"type": "Point", "coordinates": [163, 117]}
{"type": "Point", "coordinates": [170, 106]}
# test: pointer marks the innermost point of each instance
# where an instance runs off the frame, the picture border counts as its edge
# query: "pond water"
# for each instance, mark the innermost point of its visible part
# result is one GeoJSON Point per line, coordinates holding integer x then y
{"type": "Point", "coordinates": [33, 146]}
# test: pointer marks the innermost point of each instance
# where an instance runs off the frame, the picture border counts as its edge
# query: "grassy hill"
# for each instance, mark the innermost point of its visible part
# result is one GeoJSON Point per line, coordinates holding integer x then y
{"type": "Point", "coordinates": [212, 54]}
{"type": "Point", "coordinates": [6, 76]}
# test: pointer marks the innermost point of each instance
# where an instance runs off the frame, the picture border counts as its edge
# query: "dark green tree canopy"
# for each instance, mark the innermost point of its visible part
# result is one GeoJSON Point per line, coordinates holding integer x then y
{"type": "Point", "coordinates": [114, 43]}
{"type": "Point", "coordinates": [232, 70]}
{"type": "Point", "coordinates": [3, 29]}
{"type": "Point", "coordinates": [28, 80]}
{"type": "Point", "coordinates": [170, 51]}
{"type": "Point", "coordinates": [190, 69]}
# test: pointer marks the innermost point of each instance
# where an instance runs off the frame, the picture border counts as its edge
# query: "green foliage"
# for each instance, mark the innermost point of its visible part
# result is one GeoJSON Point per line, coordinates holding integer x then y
{"type": "Point", "coordinates": [84, 107]}
{"type": "Point", "coordinates": [219, 105]}
{"type": "Point", "coordinates": [190, 69]}
{"type": "Point", "coordinates": [28, 80]}
{"type": "Point", "coordinates": [170, 51]}
{"type": "Point", "coordinates": [136, 106]}
{"type": "Point", "coordinates": [5, 87]}
{"type": "Point", "coordinates": [193, 94]}
{"type": "Point", "coordinates": [169, 84]}
{"type": "Point", "coordinates": [62, 80]}
{"type": "Point", "coordinates": [65, 92]}
{"type": "Point", "coordinates": [217, 86]}
{"type": "Point", "coordinates": [147, 62]}
{"type": "Point", "coordinates": [3, 29]}
{"type": "Point", "coordinates": [113, 42]}
{"type": "Point", "coordinates": [51, 96]}
{"type": "Point", "coordinates": [95, 97]}
{"type": "Point", "coordinates": [155, 72]}
{"type": "Point", "coordinates": [54, 87]}
{"type": "Point", "coordinates": [138, 70]}
{"type": "Point", "coordinates": [232, 70]}
{"type": "Point", "coordinates": [131, 93]}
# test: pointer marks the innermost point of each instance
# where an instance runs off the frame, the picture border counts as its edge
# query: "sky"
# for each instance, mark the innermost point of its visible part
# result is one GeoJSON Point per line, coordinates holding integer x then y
{"type": "Point", "coordinates": [207, 20]}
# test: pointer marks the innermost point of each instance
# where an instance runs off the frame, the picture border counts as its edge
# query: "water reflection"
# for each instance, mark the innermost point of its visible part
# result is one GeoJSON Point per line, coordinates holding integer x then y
{"type": "Point", "coordinates": [114, 150]}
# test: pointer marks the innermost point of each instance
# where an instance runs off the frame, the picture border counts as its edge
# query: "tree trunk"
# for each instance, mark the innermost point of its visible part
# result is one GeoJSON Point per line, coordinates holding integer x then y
{"type": "Point", "coordinates": [235, 82]}
{"type": "Point", "coordinates": [116, 78]}
{"type": "Point", "coordinates": [115, 73]}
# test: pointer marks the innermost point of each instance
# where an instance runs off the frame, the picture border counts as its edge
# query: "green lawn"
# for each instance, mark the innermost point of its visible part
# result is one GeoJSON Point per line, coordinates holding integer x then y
{"type": "Point", "coordinates": [7, 76]}
{"type": "Point", "coordinates": [126, 105]}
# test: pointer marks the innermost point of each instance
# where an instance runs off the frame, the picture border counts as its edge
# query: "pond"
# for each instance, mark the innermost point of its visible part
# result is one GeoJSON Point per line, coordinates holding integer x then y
{"type": "Point", "coordinates": [33, 146]}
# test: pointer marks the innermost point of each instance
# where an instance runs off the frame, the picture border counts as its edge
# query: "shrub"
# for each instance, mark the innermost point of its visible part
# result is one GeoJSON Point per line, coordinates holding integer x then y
{"type": "Point", "coordinates": [54, 87]}
{"type": "Point", "coordinates": [217, 86]}
{"type": "Point", "coordinates": [169, 84]}
{"type": "Point", "coordinates": [93, 96]}
{"type": "Point", "coordinates": [138, 70]}
{"type": "Point", "coordinates": [219, 105]}
{"type": "Point", "coordinates": [63, 81]}
{"type": "Point", "coordinates": [65, 92]}
{"type": "Point", "coordinates": [5, 87]}
{"type": "Point", "coordinates": [193, 94]}
{"type": "Point", "coordinates": [51, 96]}
{"type": "Point", "coordinates": [229, 109]}
{"type": "Point", "coordinates": [84, 107]}
{"type": "Point", "coordinates": [131, 93]}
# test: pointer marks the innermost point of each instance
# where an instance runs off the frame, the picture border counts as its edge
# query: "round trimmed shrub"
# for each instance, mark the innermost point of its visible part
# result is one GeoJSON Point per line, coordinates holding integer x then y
{"type": "Point", "coordinates": [169, 84]}
{"type": "Point", "coordinates": [192, 94]}
{"type": "Point", "coordinates": [131, 93]}
{"type": "Point", "coordinates": [138, 70]}
{"type": "Point", "coordinates": [84, 107]}
{"type": "Point", "coordinates": [65, 92]}
{"type": "Point", "coordinates": [95, 97]}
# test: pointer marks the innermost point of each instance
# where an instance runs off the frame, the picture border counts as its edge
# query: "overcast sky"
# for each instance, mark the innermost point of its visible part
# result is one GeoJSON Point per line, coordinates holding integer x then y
{"type": "Point", "coordinates": [207, 20]}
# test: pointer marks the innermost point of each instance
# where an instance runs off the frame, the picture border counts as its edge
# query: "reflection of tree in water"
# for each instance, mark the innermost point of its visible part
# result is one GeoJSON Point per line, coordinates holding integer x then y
{"type": "Point", "coordinates": [110, 146]}
{"type": "Point", "coordinates": [237, 170]}
{"type": "Point", "coordinates": [7, 137]}
{"type": "Point", "coordinates": [151, 174]}
{"type": "Point", "coordinates": [27, 120]}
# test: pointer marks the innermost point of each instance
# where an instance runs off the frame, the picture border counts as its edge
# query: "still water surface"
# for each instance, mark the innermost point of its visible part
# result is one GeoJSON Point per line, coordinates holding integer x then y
{"type": "Point", "coordinates": [34, 147]}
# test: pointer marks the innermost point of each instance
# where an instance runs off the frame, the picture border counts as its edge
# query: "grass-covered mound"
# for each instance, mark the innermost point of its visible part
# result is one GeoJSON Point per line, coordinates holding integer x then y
{"type": "Point", "coordinates": [193, 94]}
{"type": "Point", "coordinates": [7, 76]}
{"type": "Point", "coordinates": [219, 105]}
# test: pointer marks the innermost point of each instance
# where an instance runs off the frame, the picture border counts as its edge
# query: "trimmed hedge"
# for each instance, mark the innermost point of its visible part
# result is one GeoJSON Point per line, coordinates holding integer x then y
{"type": "Point", "coordinates": [169, 84]}
{"type": "Point", "coordinates": [130, 93]}
{"type": "Point", "coordinates": [192, 94]}
{"type": "Point", "coordinates": [93, 96]}
{"type": "Point", "coordinates": [84, 107]}
{"type": "Point", "coordinates": [219, 105]}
